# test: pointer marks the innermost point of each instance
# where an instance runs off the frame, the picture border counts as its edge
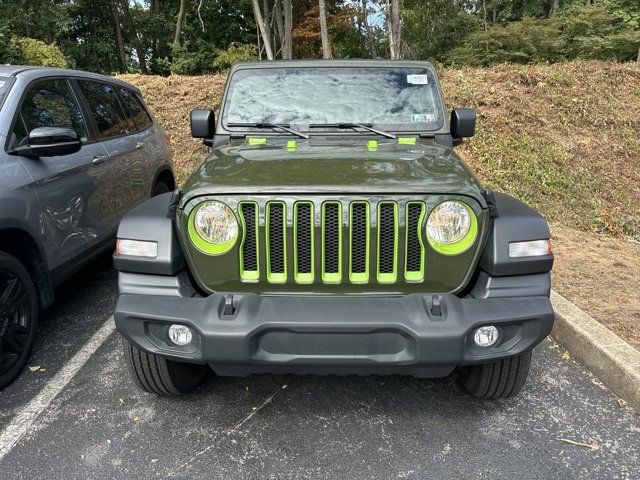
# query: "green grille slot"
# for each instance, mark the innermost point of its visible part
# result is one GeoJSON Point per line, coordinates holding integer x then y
{"type": "Point", "coordinates": [303, 261]}
{"type": "Point", "coordinates": [249, 260]}
{"type": "Point", "coordinates": [276, 242]}
{"type": "Point", "coordinates": [331, 242]}
{"type": "Point", "coordinates": [414, 245]}
{"type": "Point", "coordinates": [359, 242]}
{"type": "Point", "coordinates": [387, 242]}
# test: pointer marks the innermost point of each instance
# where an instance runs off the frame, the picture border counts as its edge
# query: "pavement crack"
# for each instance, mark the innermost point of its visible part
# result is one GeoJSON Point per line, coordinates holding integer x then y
{"type": "Point", "coordinates": [227, 433]}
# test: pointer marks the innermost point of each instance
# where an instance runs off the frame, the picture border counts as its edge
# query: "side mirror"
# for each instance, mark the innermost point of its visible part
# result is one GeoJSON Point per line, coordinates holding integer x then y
{"type": "Point", "coordinates": [463, 124]}
{"type": "Point", "coordinates": [50, 142]}
{"type": "Point", "coordinates": [203, 124]}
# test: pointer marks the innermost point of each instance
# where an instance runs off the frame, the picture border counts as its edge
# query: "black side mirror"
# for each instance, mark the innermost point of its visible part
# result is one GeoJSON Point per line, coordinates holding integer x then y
{"type": "Point", "coordinates": [203, 124]}
{"type": "Point", "coordinates": [50, 142]}
{"type": "Point", "coordinates": [463, 124]}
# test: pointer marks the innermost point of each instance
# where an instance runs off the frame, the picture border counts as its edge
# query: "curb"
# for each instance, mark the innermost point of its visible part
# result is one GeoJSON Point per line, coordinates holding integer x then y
{"type": "Point", "coordinates": [614, 361]}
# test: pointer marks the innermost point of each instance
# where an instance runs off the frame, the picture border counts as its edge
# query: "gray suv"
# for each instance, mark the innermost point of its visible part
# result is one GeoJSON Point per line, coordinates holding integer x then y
{"type": "Point", "coordinates": [78, 151]}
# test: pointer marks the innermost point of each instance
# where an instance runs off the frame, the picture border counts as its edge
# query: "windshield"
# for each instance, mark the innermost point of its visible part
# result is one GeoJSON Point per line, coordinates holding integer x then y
{"type": "Point", "coordinates": [391, 98]}
{"type": "Point", "coordinates": [5, 86]}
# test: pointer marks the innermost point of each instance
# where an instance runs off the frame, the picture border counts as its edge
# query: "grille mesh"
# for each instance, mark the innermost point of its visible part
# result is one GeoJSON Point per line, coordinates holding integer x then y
{"type": "Point", "coordinates": [414, 248]}
{"type": "Point", "coordinates": [331, 238]}
{"type": "Point", "coordinates": [303, 237]}
{"type": "Point", "coordinates": [249, 246]}
{"type": "Point", "coordinates": [276, 237]}
{"type": "Point", "coordinates": [387, 234]}
{"type": "Point", "coordinates": [359, 230]}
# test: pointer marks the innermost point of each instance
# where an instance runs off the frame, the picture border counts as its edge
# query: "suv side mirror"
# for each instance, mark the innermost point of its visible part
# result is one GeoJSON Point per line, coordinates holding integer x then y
{"type": "Point", "coordinates": [203, 124]}
{"type": "Point", "coordinates": [463, 124]}
{"type": "Point", "coordinates": [50, 142]}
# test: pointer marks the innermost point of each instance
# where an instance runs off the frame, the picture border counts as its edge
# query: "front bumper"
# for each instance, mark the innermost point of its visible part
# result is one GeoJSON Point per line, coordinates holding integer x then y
{"type": "Point", "coordinates": [333, 334]}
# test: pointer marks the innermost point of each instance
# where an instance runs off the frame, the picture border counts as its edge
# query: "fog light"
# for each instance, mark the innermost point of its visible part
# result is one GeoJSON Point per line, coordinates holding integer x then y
{"type": "Point", "coordinates": [486, 336]}
{"type": "Point", "coordinates": [180, 335]}
{"type": "Point", "coordinates": [136, 248]}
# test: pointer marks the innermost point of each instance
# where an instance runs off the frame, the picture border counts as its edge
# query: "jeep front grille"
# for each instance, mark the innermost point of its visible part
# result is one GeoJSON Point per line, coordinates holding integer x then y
{"type": "Point", "coordinates": [333, 242]}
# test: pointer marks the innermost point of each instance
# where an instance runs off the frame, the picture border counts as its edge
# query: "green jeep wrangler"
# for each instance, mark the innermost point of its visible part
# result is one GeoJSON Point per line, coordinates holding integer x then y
{"type": "Point", "coordinates": [332, 229]}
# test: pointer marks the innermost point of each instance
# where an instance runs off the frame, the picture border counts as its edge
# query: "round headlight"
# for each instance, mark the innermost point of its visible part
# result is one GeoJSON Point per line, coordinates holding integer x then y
{"type": "Point", "coordinates": [451, 228]}
{"type": "Point", "coordinates": [213, 227]}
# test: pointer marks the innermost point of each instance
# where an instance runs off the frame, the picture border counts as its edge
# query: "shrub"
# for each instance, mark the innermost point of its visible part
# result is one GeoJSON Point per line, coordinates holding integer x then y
{"type": "Point", "coordinates": [236, 52]}
{"type": "Point", "coordinates": [35, 52]}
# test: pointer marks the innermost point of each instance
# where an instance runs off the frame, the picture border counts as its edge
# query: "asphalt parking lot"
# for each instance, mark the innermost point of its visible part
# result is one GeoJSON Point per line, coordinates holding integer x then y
{"type": "Point", "coordinates": [100, 426]}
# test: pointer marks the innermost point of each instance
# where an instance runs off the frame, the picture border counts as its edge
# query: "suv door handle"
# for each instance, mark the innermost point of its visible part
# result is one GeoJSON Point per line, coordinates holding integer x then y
{"type": "Point", "coordinates": [98, 159]}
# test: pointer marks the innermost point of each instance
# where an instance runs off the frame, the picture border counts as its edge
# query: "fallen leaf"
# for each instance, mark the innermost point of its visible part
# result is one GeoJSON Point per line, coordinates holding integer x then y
{"type": "Point", "coordinates": [566, 356]}
{"type": "Point", "coordinates": [109, 441]}
{"type": "Point", "coordinates": [622, 403]}
{"type": "Point", "coordinates": [120, 402]}
{"type": "Point", "coordinates": [154, 460]}
{"type": "Point", "coordinates": [42, 370]}
{"type": "Point", "coordinates": [284, 386]}
{"type": "Point", "coordinates": [136, 418]}
{"type": "Point", "coordinates": [592, 446]}
{"type": "Point", "coordinates": [35, 368]}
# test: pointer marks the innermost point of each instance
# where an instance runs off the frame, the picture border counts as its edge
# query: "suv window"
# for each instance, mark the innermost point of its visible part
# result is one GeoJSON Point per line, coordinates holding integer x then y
{"type": "Point", "coordinates": [49, 103]}
{"type": "Point", "coordinates": [106, 109]}
{"type": "Point", "coordinates": [136, 109]}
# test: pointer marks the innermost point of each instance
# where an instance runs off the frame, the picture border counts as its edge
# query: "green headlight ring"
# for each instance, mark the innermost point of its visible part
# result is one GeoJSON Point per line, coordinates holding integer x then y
{"type": "Point", "coordinates": [203, 245]}
{"type": "Point", "coordinates": [464, 243]}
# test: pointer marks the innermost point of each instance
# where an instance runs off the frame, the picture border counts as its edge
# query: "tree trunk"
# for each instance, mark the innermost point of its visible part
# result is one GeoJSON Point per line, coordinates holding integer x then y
{"type": "Point", "coordinates": [324, 32]}
{"type": "Point", "coordinates": [555, 4]}
{"type": "Point", "coordinates": [183, 6]}
{"type": "Point", "coordinates": [118, 36]}
{"type": "Point", "coordinates": [638, 59]}
{"type": "Point", "coordinates": [287, 48]}
{"type": "Point", "coordinates": [394, 26]}
{"type": "Point", "coordinates": [267, 19]}
{"type": "Point", "coordinates": [373, 45]}
{"type": "Point", "coordinates": [263, 29]}
{"type": "Point", "coordinates": [277, 13]}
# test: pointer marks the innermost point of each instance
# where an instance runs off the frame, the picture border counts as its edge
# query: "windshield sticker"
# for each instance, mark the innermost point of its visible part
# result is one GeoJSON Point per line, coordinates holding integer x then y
{"type": "Point", "coordinates": [423, 117]}
{"type": "Point", "coordinates": [416, 79]}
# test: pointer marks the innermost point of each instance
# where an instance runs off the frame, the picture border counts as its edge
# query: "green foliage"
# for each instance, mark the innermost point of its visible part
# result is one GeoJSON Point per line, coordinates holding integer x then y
{"type": "Point", "coordinates": [578, 32]}
{"type": "Point", "coordinates": [34, 52]}
{"type": "Point", "coordinates": [527, 41]}
{"type": "Point", "coordinates": [191, 59]}
{"type": "Point", "coordinates": [236, 52]}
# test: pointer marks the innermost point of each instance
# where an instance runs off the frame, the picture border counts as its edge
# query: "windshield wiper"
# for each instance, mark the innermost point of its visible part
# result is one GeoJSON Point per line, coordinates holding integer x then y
{"type": "Point", "coordinates": [353, 126]}
{"type": "Point", "coordinates": [272, 126]}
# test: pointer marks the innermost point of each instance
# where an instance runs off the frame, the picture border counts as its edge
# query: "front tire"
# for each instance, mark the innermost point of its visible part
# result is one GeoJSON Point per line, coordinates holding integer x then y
{"type": "Point", "coordinates": [18, 317]}
{"type": "Point", "coordinates": [155, 374]}
{"type": "Point", "coordinates": [501, 379]}
{"type": "Point", "coordinates": [159, 188]}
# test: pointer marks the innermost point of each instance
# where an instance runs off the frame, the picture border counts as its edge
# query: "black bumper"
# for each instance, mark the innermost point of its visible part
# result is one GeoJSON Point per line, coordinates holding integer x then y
{"type": "Point", "coordinates": [329, 334]}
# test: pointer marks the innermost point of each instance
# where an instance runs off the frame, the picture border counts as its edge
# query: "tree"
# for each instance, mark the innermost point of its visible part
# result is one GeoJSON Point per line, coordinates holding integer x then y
{"type": "Point", "coordinates": [263, 29]}
{"type": "Point", "coordinates": [287, 44]}
{"type": "Point", "coordinates": [394, 26]}
{"type": "Point", "coordinates": [117, 31]}
{"type": "Point", "coordinates": [183, 6]}
{"type": "Point", "coordinates": [324, 33]}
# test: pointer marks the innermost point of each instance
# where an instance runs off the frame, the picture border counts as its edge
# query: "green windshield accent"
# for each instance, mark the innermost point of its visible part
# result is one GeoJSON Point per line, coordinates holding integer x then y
{"type": "Point", "coordinates": [332, 277]}
{"type": "Point", "coordinates": [462, 245]}
{"type": "Point", "coordinates": [359, 277]}
{"type": "Point", "coordinates": [389, 277]}
{"type": "Point", "coordinates": [291, 145]}
{"type": "Point", "coordinates": [414, 275]}
{"type": "Point", "coordinates": [276, 277]}
{"type": "Point", "coordinates": [203, 245]}
{"type": "Point", "coordinates": [257, 141]}
{"type": "Point", "coordinates": [407, 141]}
{"type": "Point", "coordinates": [249, 275]}
{"type": "Point", "coordinates": [372, 145]}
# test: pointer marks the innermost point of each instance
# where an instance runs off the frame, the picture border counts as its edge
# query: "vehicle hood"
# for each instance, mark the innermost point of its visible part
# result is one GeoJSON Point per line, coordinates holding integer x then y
{"type": "Point", "coordinates": [332, 166]}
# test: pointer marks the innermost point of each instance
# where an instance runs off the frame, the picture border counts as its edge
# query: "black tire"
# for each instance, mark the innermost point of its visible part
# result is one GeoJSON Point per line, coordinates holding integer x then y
{"type": "Point", "coordinates": [159, 188]}
{"type": "Point", "coordinates": [502, 379]}
{"type": "Point", "coordinates": [18, 317]}
{"type": "Point", "coordinates": [155, 374]}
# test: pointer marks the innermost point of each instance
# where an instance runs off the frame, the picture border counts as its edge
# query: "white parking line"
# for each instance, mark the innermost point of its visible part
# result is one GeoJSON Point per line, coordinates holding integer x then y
{"type": "Point", "coordinates": [23, 421]}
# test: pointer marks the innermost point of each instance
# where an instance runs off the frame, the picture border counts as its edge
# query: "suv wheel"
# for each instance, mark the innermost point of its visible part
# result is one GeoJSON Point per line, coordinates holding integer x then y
{"type": "Point", "coordinates": [502, 379]}
{"type": "Point", "coordinates": [155, 374]}
{"type": "Point", "coordinates": [18, 317]}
